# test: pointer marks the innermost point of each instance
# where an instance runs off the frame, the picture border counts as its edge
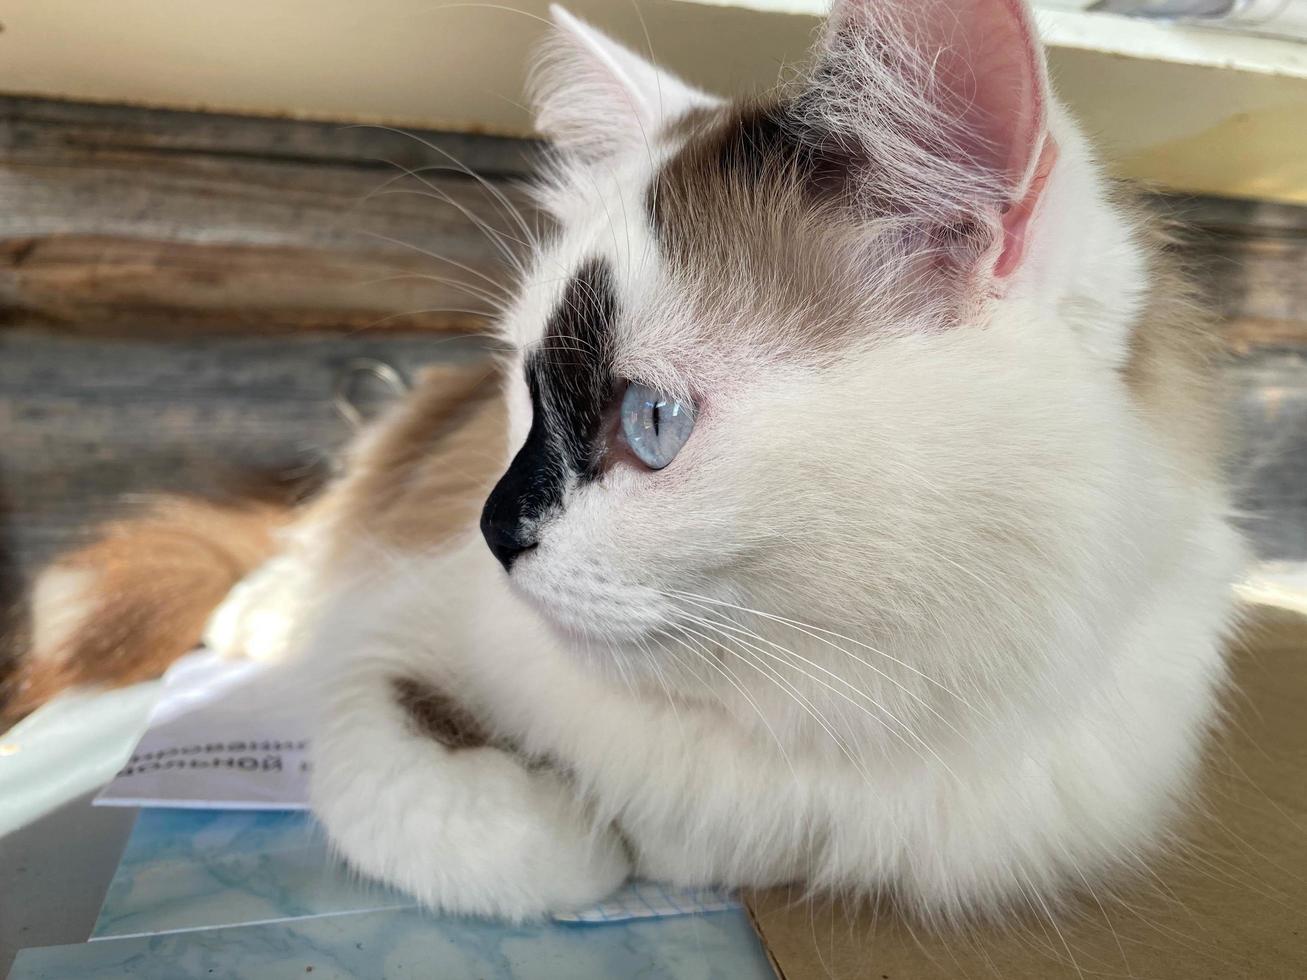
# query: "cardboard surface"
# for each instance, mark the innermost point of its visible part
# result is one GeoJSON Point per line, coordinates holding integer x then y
{"type": "Point", "coordinates": [1231, 901]}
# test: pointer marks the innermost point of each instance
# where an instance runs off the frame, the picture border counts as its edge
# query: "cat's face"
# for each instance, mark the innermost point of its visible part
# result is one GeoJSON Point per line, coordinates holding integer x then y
{"type": "Point", "coordinates": [837, 408]}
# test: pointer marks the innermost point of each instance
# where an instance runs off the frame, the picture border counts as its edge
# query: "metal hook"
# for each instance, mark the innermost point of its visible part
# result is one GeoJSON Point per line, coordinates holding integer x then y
{"type": "Point", "coordinates": [343, 393]}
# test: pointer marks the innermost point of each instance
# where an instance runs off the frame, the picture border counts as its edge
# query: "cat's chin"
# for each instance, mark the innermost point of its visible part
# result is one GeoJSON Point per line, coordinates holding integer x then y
{"type": "Point", "coordinates": [580, 625]}
{"type": "Point", "coordinates": [592, 633]}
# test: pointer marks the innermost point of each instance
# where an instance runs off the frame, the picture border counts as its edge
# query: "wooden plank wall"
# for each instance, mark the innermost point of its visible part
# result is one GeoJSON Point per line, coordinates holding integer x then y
{"type": "Point", "coordinates": [121, 220]}
{"type": "Point", "coordinates": [180, 294]}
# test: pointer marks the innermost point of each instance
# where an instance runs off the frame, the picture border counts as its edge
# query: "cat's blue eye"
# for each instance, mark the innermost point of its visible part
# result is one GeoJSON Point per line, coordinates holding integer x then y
{"type": "Point", "coordinates": [655, 425]}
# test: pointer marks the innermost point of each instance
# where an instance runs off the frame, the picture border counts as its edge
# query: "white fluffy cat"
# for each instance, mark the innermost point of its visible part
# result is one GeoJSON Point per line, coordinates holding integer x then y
{"type": "Point", "coordinates": [864, 526]}
{"type": "Point", "coordinates": [925, 586]}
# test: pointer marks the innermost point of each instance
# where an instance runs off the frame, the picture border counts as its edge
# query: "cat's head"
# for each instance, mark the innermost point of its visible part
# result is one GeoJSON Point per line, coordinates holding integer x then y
{"type": "Point", "coordinates": [842, 355]}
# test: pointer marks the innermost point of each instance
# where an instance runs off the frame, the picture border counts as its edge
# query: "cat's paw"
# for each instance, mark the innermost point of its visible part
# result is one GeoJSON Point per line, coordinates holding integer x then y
{"type": "Point", "coordinates": [258, 618]}
{"type": "Point", "coordinates": [471, 832]}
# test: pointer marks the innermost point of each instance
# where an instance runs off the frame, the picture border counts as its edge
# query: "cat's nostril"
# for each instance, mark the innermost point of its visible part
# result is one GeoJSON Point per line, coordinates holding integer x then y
{"type": "Point", "coordinates": [506, 541]}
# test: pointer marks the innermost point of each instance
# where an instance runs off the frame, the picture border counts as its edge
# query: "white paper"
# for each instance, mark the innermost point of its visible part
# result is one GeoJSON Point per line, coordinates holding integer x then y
{"type": "Point", "coordinates": [225, 734]}
{"type": "Point", "coordinates": [231, 734]}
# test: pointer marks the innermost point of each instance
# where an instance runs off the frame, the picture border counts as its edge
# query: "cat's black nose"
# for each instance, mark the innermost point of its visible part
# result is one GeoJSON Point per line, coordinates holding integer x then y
{"type": "Point", "coordinates": [510, 519]}
{"type": "Point", "coordinates": [529, 490]}
{"type": "Point", "coordinates": [506, 539]}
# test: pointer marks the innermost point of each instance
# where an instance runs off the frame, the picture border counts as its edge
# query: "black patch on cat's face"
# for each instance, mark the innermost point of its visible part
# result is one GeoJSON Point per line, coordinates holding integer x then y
{"type": "Point", "coordinates": [570, 374]}
{"type": "Point", "coordinates": [570, 380]}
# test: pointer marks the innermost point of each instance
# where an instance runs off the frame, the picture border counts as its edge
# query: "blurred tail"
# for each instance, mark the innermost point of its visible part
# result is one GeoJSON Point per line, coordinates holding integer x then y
{"type": "Point", "coordinates": [124, 607]}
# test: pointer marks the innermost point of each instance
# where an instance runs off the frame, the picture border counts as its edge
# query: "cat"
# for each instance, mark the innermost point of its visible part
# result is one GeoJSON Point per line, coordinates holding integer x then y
{"type": "Point", "coordinates": [860, 523]}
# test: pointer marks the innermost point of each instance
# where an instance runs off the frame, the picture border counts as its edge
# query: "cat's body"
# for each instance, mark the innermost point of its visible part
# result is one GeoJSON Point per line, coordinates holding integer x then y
{"type": "Point", "coordinates": [997, 817]}
{"type": "Point", "coordinates": [922, 607]}
{"type": "Point", "coordinates": [933, 597]}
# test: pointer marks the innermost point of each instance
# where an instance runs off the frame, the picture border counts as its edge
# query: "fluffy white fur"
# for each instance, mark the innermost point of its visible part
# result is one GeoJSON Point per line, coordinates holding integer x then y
{"type": "Point", "coordinates": [942, 615]}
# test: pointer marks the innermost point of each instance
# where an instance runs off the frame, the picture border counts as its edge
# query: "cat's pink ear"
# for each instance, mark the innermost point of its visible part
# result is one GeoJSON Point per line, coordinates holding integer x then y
{"type": "Point", "coordinates": [973, 75]}
{"type": "Point", "coordinates": [594, 98]}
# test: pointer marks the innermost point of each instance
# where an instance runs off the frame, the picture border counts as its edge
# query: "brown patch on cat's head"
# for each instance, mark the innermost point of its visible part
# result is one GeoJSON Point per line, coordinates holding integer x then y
{"type": "Point", "coordinates": [769, 221]}
{"type": "Point", "coordinates": [749, 217]}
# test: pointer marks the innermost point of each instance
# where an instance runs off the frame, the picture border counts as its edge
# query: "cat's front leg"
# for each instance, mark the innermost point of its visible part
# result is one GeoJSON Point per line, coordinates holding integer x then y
{"type": "Point", "coordinates": [410, 792]}
{"type": "Point", "coordinates": [258, 618]}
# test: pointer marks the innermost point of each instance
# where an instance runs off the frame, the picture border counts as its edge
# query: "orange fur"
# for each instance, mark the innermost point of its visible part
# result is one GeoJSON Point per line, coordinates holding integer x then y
{"type": "Point", "coordinates": [423, 474]}
{"type": "Point", "coordinates": [124, 607]}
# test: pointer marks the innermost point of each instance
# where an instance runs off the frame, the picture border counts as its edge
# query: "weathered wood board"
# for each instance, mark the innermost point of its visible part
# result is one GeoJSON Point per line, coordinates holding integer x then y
{"type": "Point", "coordinates": [122, 220]}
